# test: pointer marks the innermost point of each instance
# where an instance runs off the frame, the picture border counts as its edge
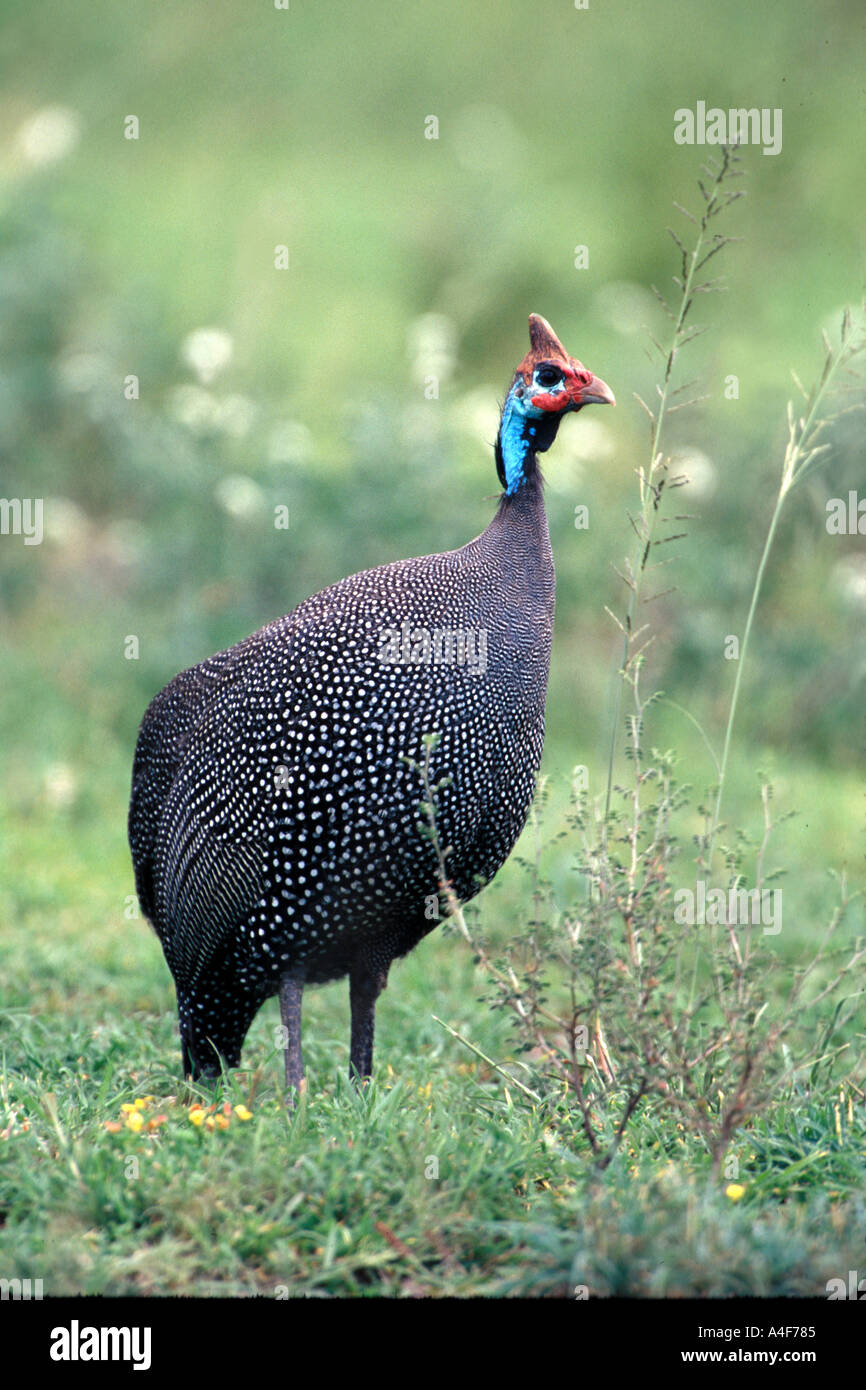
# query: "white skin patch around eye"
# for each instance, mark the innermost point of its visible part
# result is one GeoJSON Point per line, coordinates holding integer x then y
{"type": "Point", "coordinates": [548, 390]}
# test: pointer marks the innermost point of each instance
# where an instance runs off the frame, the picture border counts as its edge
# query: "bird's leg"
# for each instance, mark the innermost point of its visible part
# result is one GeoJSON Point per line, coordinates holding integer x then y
{"type": "Point", "coordinates": [367, 979]}
{"type": "Point", "coordinates": [291, 990]}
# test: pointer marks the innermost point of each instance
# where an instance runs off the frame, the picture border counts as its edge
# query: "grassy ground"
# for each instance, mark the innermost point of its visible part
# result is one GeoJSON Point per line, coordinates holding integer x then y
{"type": "Point", "coordinates": [440, 1179]}
{"type": "Point", "coordinates": [437, 1180]}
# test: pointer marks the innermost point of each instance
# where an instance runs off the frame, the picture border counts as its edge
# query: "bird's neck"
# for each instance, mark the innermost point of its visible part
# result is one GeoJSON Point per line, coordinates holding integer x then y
{"type": "Point", "coordinates": [519, 540]}
{"type": "Point", "coordinates": [524, 432]}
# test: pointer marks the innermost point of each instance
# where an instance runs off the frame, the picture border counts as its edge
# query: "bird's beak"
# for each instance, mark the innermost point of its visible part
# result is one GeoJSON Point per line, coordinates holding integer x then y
{"type": "Point", "coordinates": [597, 392]}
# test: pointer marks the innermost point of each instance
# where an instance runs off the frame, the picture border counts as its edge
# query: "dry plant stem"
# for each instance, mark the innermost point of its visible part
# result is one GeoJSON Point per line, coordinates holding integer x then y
{"type": "Point", "coordinates": [651, 485]}
{"type": "Point", "coordinates": [527, 1091]}
{"type": "Point", "coordinates": [801, 453]}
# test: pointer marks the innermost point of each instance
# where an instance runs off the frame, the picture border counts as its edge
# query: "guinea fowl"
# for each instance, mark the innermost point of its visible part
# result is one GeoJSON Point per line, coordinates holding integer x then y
{"type": "Point", "coordinates": [274, 817]}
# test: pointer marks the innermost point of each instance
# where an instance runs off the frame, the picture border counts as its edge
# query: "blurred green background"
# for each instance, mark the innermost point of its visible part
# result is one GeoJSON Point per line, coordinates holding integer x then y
{"type": "Point", "coordinates": [408, 257]}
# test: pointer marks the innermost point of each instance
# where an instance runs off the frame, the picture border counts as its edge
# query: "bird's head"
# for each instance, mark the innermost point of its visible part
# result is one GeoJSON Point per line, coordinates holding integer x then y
{"type": "Point", "coordinates": [547, 385]}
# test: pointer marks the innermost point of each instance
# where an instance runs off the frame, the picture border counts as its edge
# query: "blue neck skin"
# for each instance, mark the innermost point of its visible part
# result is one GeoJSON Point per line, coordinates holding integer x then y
{"type": "Point", "coordinates": [518, 436]}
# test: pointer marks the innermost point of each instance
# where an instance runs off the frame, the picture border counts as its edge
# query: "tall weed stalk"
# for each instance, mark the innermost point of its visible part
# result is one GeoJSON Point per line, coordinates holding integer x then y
{"type": "Point", "coordinates": [619, 1003]}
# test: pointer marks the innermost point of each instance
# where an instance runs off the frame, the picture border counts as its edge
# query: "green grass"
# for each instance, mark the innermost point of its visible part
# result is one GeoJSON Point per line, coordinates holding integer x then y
{"type": "Point", "coordinates": [435, 1181]}
{"type": "Point", "coordinates": [338, 1198]}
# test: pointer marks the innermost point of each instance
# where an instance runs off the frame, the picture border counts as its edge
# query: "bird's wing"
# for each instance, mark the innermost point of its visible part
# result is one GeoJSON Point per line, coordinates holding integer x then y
{"type": "Point", "coordinates": [209, 850]}
{"type": "Point", "coordinates": [165, 728]}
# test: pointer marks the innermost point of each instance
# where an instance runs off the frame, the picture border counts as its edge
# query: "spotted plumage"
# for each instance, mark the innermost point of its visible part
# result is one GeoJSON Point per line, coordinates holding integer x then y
{"type": "Point", "coordinates": [275, 792]}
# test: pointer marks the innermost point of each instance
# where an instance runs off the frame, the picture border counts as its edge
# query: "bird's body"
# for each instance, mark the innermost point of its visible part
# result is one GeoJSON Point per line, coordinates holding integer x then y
{"type": "Point", "coordinates": [274, 820]}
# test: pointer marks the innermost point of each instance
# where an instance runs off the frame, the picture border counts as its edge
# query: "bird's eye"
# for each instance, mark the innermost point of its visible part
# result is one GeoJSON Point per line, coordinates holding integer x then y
{"type": "Point", "coordinates": [548, 376]}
